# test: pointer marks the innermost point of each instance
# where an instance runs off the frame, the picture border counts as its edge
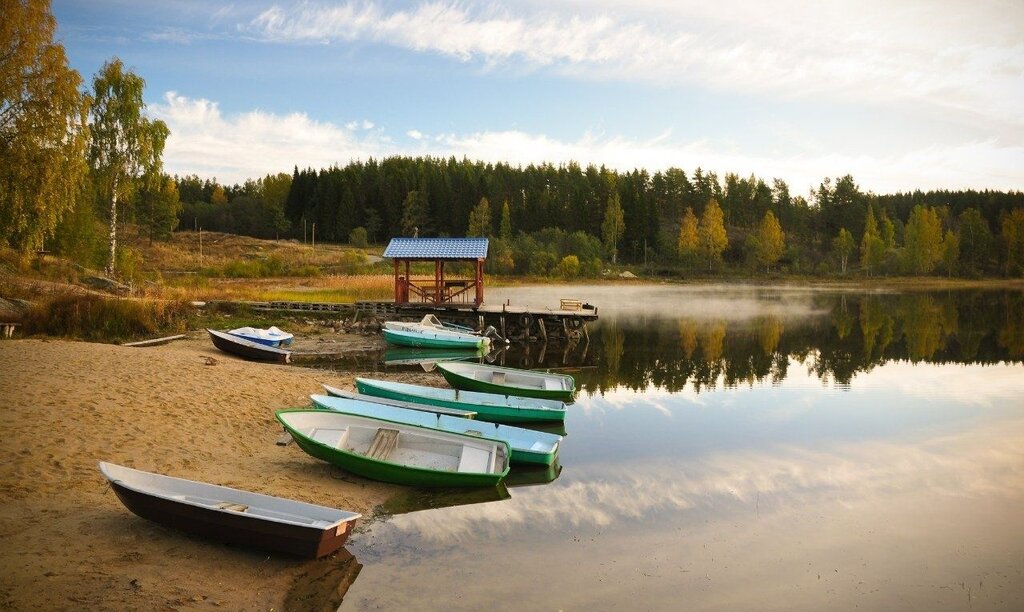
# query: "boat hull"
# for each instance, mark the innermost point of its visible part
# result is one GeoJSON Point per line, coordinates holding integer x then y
{"type": "Point", "coordinates": [386, 471]}
{"type": "Point", "coordinates": [467, 383]}
{"type": "Point", "coordinates": [234, 528]}
{"type": "Point", "coordinates": [248, 349]}
{"type": "Point", "coordinates": [429, 340]}
{"type": "Point", "coordinates": [494, 412]}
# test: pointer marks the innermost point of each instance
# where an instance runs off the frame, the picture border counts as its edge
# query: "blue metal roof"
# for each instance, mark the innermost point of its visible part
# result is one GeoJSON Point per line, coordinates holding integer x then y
{"type": "Point", "coordinates": [436, 248]}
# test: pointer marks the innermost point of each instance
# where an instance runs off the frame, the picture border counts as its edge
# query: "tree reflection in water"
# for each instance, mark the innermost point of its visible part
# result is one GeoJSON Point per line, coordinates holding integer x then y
{"type": "Point", "coordinates": [857, 333]}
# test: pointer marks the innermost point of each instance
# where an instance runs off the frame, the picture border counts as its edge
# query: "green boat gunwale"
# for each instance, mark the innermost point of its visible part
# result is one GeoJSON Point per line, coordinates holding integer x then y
{"type": "Point", "coordinates": [301, 439]}
{"type": "Point", "coordinates": [500, 413]}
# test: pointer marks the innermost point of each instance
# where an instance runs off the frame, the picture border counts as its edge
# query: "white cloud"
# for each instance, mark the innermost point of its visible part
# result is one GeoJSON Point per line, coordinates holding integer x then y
{"type": "Point", "coordinates": [250, 144]}
{"type": "Point", "coordinates": [958, 57]}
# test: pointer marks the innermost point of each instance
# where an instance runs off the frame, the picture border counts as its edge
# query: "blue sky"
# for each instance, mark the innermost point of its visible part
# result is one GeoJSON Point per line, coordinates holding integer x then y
{"type": "Point", "coordinates": [900, 94]}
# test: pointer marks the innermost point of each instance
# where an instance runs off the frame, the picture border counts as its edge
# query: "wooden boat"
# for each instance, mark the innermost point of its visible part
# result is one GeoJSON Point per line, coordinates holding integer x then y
{"type": "Point", "coordinates": [230, 515]}
{"type": "Point", "coordinates": [527, 445]}
{"type": "Point", "coordinates": [508, 381]}
{"type": "Point", "coordinates": [247, 348]}
{"type": "Point", "coordinates": [488, 406]}
{"type": "Point", "coordinates": [335, 392]}
{"type": "Point", "coordinates": [271, 336]}
{"type": "Point", "coordinates": [395, 452]}
{"type": "Point", "coordinates": [434, 339]}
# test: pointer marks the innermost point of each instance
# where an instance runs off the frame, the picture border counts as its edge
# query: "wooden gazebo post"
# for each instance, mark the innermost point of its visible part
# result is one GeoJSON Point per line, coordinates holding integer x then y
{"type": "Point", "coordinates": [479, 299]}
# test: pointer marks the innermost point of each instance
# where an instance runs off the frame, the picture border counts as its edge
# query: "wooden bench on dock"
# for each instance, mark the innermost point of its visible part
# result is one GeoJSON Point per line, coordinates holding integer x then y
{"type": "Point", "coordinates": [565, 304]}
{"type": "Point", "coordinates": [7, 329]}
{"type": "Point", "coordinates": [383, 443]}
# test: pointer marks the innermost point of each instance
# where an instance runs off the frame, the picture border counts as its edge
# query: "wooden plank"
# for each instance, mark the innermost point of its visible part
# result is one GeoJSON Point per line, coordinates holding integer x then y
{"type": "Point", "coordinates": [155, 341]}
{"type": "Point", "coordinates": [383, 443]}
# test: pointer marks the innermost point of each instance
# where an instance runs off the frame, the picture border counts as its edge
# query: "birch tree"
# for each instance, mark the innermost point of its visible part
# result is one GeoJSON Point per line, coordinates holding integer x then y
{"type": "Point", "coordinates": [711, 230]}
{"type": "Point", "coordinates": [125, 147]}
{"type": "Point", "coordinates": [42, 126]}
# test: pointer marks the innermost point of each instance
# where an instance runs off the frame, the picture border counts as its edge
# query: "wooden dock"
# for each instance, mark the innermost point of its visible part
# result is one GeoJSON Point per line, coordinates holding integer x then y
{"type": "Point", "coordinates": [569, 321]}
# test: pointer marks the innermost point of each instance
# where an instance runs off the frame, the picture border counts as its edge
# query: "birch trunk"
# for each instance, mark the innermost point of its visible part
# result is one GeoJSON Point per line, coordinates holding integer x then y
{"type": "Point", "coordinates": [113, 231]}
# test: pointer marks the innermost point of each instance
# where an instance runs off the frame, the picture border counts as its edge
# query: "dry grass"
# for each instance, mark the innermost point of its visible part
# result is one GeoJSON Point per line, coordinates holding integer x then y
{"type": "Point", "coordinates": [92, 317]}
{"type": "Point", "coordinates": [350, 288]}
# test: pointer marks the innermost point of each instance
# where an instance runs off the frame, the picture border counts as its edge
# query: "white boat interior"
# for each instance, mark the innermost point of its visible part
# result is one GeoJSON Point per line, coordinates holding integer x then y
{"type": "Point", "coordinates": [511, 377]}
{"type": "Point", "coordinates": [466, 397]}
{"type": "Point", "coordinates": [400, 444]}
{"type": "Point", "coordinates": [518, 438]}
{"type": "Point", "coordinates": [225, 499]}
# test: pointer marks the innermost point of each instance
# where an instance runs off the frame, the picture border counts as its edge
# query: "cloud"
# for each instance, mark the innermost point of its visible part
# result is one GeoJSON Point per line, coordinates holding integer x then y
{"type": "Point", "coordinates": [967, 60]}
{"type": "Point", "coordinates": [246, 145]}
{"type": "Point", "coordinates": [987, 461]}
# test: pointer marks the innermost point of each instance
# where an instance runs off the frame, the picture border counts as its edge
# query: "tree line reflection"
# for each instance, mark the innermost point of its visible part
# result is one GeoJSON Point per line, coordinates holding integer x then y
{"type": "Point", "coordinates": [855, 334]}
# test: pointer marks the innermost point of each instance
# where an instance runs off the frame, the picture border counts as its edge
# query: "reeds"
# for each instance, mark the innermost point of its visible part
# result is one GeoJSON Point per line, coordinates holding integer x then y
{"type": "Point", "coordinates": [97, 318]}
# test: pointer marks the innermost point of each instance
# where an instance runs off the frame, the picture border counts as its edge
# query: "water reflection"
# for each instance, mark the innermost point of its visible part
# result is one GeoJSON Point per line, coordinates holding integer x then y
{"type": "Point", "coordinates": [710, 465]}
{"type": "Point", "coordinates": [324, 584]}
{"type": "Point", "coordinates": [848, 334]}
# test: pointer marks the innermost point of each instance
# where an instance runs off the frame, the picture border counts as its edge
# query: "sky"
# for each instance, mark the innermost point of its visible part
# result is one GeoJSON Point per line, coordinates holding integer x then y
{"type": "Point", "coordinates": [900, 94]}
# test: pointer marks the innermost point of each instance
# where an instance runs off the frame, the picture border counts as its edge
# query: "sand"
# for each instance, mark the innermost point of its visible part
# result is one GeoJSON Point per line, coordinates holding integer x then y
{"type": "Point", "coordinates": [67, 542]}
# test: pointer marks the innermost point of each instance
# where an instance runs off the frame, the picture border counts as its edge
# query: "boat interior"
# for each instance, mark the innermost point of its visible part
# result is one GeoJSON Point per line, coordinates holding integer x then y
{"type": "Point", "coordinates": [412, 449]}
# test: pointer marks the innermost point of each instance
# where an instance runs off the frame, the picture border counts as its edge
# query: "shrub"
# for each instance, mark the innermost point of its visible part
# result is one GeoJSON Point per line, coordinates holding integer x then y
{"type": "Point", "coordinates": [357, 238]}
{"type": "Point", "coordinates": [92, 317]}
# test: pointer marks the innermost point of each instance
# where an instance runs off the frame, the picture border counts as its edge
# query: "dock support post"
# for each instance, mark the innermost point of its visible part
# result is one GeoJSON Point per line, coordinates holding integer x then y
{"type": "Point", "coordinates": [543, 330]}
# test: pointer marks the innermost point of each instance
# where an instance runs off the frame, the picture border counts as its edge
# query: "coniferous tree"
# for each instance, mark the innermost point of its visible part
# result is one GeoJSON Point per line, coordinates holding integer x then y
{"type": "Point", "coordinates": [414, 214]}
{"type": "Point", "coordinates": [505, 227]}
{"type": "Point", "coordinates": [975, 240]}
{"type": "Point", "coordinates": [480, 220]}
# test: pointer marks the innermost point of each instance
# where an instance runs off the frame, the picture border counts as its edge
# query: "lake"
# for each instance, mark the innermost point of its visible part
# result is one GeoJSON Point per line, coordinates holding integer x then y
{"type": "Point", "coordinates": [744, 447]}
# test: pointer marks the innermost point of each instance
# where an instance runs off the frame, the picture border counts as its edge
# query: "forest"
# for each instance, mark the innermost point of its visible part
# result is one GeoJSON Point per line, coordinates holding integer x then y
{"type": "Point", "coordinates": [567, 220]}
{"type": "Point", "coordinates": [81, 165]}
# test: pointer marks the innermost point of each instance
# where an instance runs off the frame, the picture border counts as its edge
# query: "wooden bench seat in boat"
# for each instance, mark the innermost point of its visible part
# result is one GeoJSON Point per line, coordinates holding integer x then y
{"type": "Point", "coordinates": [232, 506]}
{"type": "Point", "coordinates": [383, 443]}
{"type": "Point", "coordinates": [329, 437]}
{"type": "Point", "coordinates": [498, 378]}
{"type": "Point", "coordinates": [476, 460]}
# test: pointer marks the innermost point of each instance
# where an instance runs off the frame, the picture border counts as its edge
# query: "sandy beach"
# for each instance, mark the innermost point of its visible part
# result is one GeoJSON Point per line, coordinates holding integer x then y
{"type": "Point", "coordinates": [68, 543]}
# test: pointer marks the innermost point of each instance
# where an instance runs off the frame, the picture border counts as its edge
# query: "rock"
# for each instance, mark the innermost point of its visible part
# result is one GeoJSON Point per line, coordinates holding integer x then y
{"type": "Point", "coordinates": [106, 284]}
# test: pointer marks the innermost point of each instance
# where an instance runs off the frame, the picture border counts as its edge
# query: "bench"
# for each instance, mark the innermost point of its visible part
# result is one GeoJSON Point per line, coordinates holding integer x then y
{"type": "Point", "coordinates": [498, 378]}
{"type": "Point", "coordinates": [476, 460]}
{"type": "Point", "coordinates": [7, 329]}
{"type": "Point", "coordinates": [383, 443]}
{"type": "Point", "coordinates": [232, 506]}
{"type": "Point", "coordinates": [565, 304]}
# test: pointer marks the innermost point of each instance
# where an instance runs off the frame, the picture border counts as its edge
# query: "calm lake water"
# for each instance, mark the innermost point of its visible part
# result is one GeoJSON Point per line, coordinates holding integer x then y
{"type": "Point", "coordinates": [745, 448]}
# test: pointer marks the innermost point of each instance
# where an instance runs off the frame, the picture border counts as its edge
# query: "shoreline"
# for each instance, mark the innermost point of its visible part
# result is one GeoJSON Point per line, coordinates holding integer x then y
{"type": "Point", "coordinates": [69, 542]}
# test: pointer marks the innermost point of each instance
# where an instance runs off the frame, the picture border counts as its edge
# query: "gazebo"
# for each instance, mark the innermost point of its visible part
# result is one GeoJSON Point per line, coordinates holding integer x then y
{"type": "Point", "coordinates": [437, 289]}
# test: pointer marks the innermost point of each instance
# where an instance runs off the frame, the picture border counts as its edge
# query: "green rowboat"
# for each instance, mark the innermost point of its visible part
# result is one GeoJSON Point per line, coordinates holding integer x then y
{"type": "Point", "coordinates": [397, 453]}
{"type": "Point", "coordinates": [527, 445]}
{"type": "Point", "coordinates": [508, 381]}
{"type": "Point", "coordinates": [432, 339]}
{"type": "Point", "coordinates": [488, 406]}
